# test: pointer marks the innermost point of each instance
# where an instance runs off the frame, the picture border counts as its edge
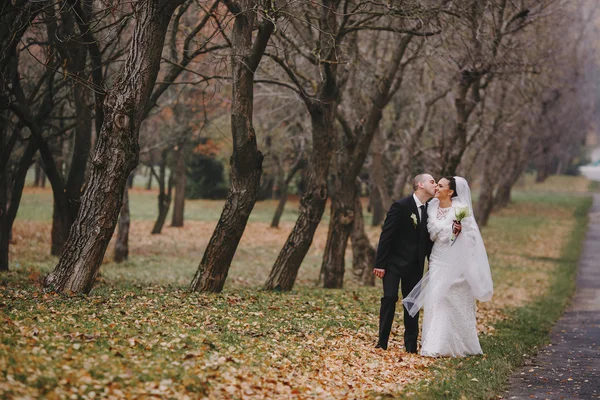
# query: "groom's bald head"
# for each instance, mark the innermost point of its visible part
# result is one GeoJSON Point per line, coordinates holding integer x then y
{"type": "Point", "coordinates": [423, 179]}
{"type": "Point", "coordinates": [424, 186]}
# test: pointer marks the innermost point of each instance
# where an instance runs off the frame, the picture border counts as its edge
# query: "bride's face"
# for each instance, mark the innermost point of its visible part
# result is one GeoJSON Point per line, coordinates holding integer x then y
{"type": "Point", "coordinates": [444, 192]}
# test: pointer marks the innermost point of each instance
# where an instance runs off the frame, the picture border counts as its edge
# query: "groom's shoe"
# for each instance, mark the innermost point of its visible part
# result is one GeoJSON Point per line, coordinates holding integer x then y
{"type": "Point", "coordinates": [381, 346]}
{"type": "Point", "coordinates": [411, 348]}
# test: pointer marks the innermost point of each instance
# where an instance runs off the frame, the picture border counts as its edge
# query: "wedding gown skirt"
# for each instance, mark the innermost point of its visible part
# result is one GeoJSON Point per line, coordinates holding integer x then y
{"type": "Point", "coordinates": [449, 322]}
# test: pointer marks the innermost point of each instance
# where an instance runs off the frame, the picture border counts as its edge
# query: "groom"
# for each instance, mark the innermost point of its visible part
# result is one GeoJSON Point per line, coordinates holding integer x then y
{"type": "Point", "coordinates": [403, 245]}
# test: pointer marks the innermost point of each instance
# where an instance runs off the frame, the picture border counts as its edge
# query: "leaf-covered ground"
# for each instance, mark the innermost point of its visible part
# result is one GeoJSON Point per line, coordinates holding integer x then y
{"type": "Point", "coordinates": [141, 333]}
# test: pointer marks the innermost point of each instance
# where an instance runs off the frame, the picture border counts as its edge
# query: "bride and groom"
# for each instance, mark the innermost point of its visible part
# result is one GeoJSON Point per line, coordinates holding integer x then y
{"type": "Point", "coordinates": [435, 222]}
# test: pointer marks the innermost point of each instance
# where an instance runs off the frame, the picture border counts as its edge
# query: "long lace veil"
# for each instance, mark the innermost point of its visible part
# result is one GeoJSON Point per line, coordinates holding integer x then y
{"type": "Point", "coordinates": [466, 259]}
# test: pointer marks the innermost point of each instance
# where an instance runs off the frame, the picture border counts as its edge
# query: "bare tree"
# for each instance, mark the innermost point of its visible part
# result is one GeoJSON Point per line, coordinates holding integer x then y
{"type": "Point", "coordinates": [321, 108]}
{"type": "Point", "coordinates": [180, 178]}
{"type": "Point", "coordinates": [116, 152]}
{"type": "Point", "coordinates": [164, 192]}
{"type": "Point", "coordinates": [246, 160]}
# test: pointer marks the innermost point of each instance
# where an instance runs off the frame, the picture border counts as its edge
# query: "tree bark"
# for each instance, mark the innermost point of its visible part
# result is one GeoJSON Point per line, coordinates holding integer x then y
{"type": "Point", "coordinates": [130, 179]}
{"type": "Point", "coordinates": [542, 166]}
{"type": "Point", "coordinates": [149, 181]}
{"type": "Point", "coordinates": [503, 195]}
{"type": "Point", "coordinates": [116, 154]}
{"type": "Point", "coordinates": [379, 189]}
{"type": "Point", "coordinates": [485, 202]}
{"type": "Point", "coordinates": [81, 148]}
{"type": "Point", "coordinates": [377, 210]}
{"type": "Point", "coordinates": [40, 177]}
{"type": "Point", "coordinates": [122, 243]}
{"type": "Point", "coordinates": [4, 232]}
{"type": "Point", "coordinates": [164, 194]}
{"type": "Point", "coordinates": [504, 192]}
{"type": "Point", "coordinates": [246, 160]}
{"type": "Point", "coordinates": [283, 195]}
{"type": "Point", "coordinates": [363, 254]}
{"type": "Point", "coordinates": [340, 227]}
{"type": "Point", "coordinates": [180, 182]}
{"type": "Point", "coordinates": [10, 199]}
{"type": "Point", "coordinates": [463, 107]}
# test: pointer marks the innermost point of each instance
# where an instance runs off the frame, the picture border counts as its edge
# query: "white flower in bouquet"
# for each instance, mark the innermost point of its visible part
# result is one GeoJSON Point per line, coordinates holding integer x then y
{"type": "Point", "coordinates": [460, 213]}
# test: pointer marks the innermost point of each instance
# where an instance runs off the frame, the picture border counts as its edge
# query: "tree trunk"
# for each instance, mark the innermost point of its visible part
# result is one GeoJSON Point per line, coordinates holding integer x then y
{"type": "Point", "coordinates": [508, 180]}
{"type": "Point", "coordinates": [378, 212]}
{"type": "Point", "coordinates": [463, 107]}
{"type": "Point", "coordinates": [322, 114]}
{"type": "Point", "coordinates": [116, 154]}
{"type": "Point", "coordinates": [300, 164]}
{"type": "Point", "coordinates": [363, 254]}
{"type": "Point", "coordinates": [4, 232]}
{"type": "Point", "coordinates": [40, 176]}
{"type": "Point", "coordinates": [486, 197]}
{"type": "Point", "coordinates": [246, 160]}
{"type": "Point", "coordinates": [504, 191]}
{"type": "Point", "coordinates": [122, 243]}
{"type": "Point", "coordinates": [503, 195]}
{"type": "Point", "coordinates": [542, 166]}
{"type": "Point", "coordinates": [164, 195]}
{"type": "Point", "coordinates": [130, 179]}
{"type": "Point", "coordinates": [283, 197]}
{"type": "Point", "coordinates": [10, 199]}
{"type": "Point", "coordinates": [149, 181]}
{"type": "Point", "coordinates": [61, 216]}
{"type": "Point", "coordinates": [180, 182]}
{"type": "Point", "coordinates": [379, 187]}
{"type": "Point", "coordinates": [343, 202]}
{"type": "Point", "coordinates": [61, 224]}
{"type": "Point", "coordinates": [405, 170]}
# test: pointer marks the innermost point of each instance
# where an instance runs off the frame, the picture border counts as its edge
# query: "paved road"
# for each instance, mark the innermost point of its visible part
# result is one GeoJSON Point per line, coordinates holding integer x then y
{"type": "Point", "coordinates": [569, 368]}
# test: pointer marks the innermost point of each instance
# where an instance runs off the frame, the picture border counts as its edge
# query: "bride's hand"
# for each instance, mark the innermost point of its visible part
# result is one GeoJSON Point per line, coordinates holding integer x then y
{"type": "Point", "coordinates": [456, 228]}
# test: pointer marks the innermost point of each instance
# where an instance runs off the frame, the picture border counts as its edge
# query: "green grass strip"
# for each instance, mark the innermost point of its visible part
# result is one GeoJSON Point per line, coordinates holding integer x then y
{"type": "Point", "coordinates": [516, 338]}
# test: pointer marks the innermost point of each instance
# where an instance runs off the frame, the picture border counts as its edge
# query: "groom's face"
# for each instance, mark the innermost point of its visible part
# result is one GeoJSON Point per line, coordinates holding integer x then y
{"type": "Point", "coordinates": [429, 186]}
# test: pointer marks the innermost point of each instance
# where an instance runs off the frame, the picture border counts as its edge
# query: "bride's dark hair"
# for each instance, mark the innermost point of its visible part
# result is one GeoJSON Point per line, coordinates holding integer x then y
{"type": "Point", "coordinates": [452, 185]}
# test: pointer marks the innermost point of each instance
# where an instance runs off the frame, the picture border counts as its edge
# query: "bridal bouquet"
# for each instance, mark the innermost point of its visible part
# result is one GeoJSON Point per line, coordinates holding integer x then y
{"type": "Point", "coordinates": [460, 213]}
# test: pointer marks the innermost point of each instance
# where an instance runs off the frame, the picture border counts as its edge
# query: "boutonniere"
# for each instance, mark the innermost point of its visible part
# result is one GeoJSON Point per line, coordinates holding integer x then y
{"type": "Point", "coordinates": [414, 219]}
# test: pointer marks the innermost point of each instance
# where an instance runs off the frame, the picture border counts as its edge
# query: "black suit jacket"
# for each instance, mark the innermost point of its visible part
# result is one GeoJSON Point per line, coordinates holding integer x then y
{"type": "Point", "coordinates": [402, 245]}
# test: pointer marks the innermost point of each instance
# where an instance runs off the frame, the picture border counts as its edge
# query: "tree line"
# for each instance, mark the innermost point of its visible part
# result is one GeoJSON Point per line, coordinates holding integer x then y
{"type": "Point", "coordinates": [356, 96]}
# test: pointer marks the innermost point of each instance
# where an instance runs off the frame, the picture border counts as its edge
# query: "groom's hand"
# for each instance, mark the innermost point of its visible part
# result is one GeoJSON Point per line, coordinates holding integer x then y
{"type": "Point", "coordinates": [379, 272]}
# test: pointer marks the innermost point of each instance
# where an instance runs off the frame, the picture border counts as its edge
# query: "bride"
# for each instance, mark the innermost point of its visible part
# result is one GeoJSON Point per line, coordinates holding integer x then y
{"type": "Point", "coordinates": [459, 273]}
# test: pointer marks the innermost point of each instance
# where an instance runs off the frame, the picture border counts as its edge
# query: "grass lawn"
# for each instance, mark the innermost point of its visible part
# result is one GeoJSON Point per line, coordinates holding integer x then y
{"type": "Point", "coordinates": [141, 333]}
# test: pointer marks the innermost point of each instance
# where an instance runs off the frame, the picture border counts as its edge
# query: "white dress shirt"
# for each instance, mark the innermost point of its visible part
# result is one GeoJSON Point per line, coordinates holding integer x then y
{"type": "Point", "coordinates": [419, 204]}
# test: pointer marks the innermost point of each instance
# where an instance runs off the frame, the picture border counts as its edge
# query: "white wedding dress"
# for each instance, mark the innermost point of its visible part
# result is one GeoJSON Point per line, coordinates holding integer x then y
{"type": "Point", "coordinates": [449, 323]}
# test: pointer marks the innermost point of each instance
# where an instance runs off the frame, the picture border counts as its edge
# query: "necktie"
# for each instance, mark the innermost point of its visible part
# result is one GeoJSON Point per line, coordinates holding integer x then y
{"type": "Point", "coordinates": [422, 213]}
